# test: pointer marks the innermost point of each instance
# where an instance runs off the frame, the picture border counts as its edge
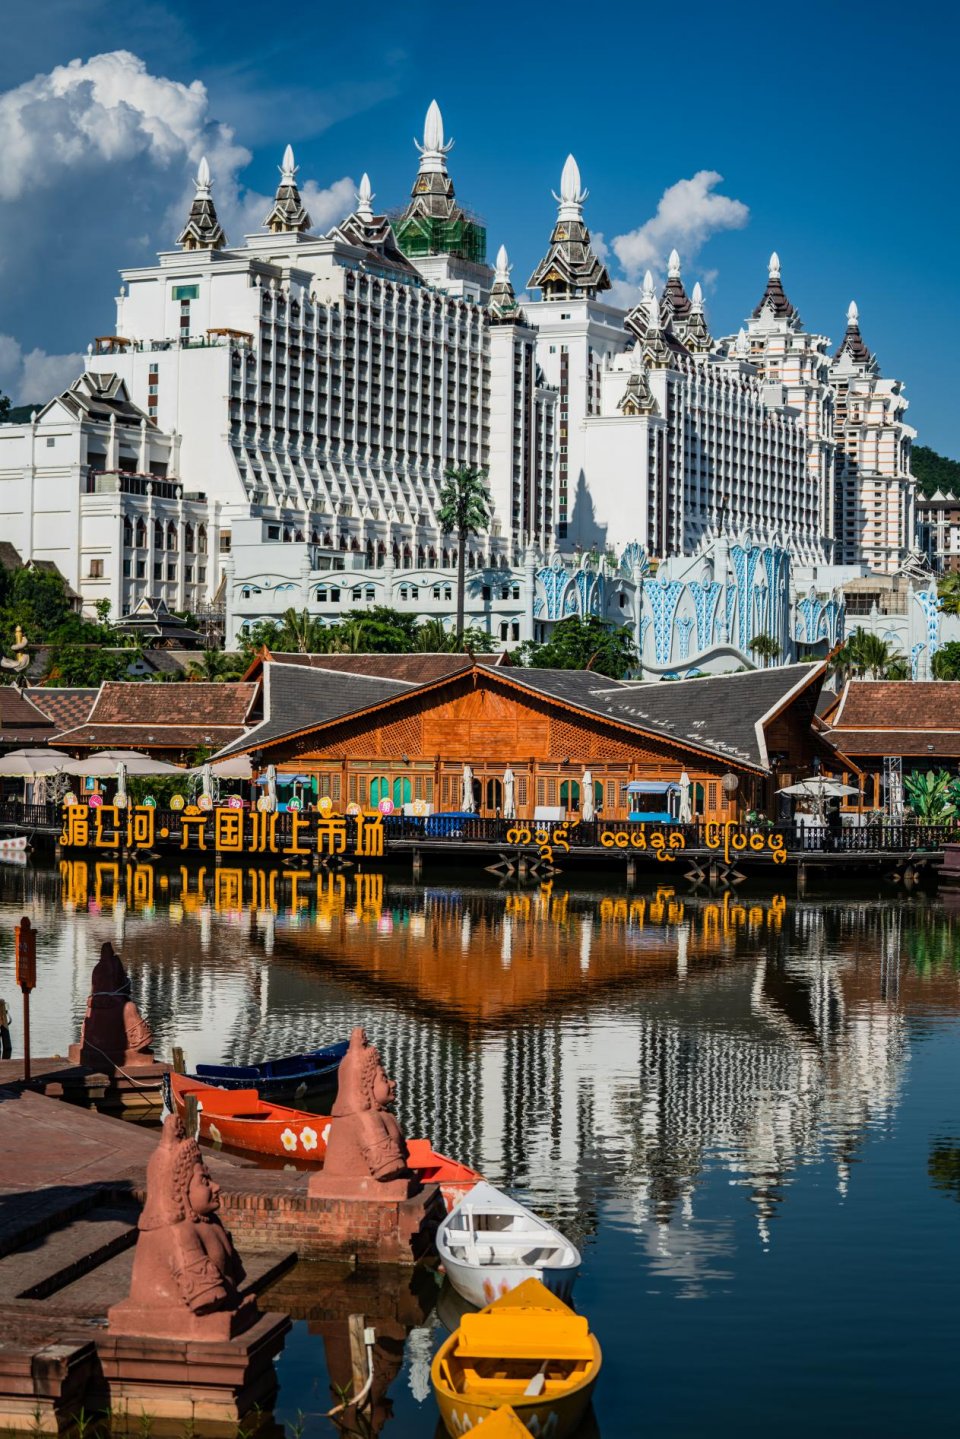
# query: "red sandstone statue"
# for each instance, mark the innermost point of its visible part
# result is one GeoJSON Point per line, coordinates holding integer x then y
{"type": "Point", "coordinates": [186, 1272]}
{"type": "Point", "coordinates": [365, 1141]}
{"type": "Point", "coordinates": [114, 1031]}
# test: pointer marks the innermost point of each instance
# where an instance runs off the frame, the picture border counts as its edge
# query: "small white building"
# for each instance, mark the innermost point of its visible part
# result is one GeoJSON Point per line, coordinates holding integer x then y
{"type": "Point", "coordinates": [91, 484]}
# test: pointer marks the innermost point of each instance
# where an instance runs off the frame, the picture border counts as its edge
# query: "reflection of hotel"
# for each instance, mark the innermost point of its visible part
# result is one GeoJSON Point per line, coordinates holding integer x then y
{"type": "Point", "coordinates": [595, 1052]}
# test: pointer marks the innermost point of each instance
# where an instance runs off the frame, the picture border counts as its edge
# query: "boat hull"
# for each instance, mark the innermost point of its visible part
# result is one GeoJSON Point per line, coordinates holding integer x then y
{"type": "Point", "coordinates": [296, 1076]}
{"type": "Point", "coordinates": [556, 1418]}
{"type": "Point", "coordinates": [482, 1285]}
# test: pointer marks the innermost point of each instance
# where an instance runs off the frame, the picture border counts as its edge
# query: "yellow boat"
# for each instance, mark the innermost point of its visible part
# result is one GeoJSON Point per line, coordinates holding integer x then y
{"type": "Point", "coordinates": [503, 1424]}
{"type": "Point", "coordinates": [527, 1350]}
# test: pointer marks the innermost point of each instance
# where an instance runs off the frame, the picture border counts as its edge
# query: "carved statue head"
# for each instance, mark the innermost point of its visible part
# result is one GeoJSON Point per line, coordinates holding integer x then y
{"type": "Point", "coordinates": [179, 1185]}
{"type": "Point", "coordinates": [362, 1083]}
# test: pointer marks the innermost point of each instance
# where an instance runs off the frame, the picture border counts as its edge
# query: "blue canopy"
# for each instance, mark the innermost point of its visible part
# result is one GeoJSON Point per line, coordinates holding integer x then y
{"type": "Point", "coordinates": [639, 786]}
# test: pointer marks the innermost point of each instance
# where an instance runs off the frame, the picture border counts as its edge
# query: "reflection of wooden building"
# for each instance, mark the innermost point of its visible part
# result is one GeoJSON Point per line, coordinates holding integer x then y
{"type": "Point", "coordinates": [403, 727]}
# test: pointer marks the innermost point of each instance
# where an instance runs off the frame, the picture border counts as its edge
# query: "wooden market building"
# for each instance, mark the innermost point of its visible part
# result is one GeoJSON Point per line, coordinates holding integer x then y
{"type": "Point", "coordinates": [368, 727]}
{"type": "Point", "coordinates": [883, 726]}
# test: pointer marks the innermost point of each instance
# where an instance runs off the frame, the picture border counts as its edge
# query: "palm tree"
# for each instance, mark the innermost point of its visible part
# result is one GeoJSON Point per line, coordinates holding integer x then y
{"type": "Point", "coordinates": [464, 511]}
{"type": "Point", "coordinates": [765, 648]}
{"type": "Point", "coordinates": [948, 589]}
{"type": "Point", "coordinates": [298, 632]}
{"type": "Point", "coordinates": [865, 654]}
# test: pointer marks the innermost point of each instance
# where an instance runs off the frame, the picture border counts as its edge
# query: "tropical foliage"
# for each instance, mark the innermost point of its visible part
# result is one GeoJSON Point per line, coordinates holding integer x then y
{"type": "Point", "coordinates": [946, 661]}
{"type": "Point", "coordinates": [464, 511]}
{"type": "Point", "coordinates": [577, 644]}
{"type": "Point", "coordinates": [78, 651]}
{"type": "Point", "coordinates": [948, 589]}
{"type": "Point", "coordinates": [765, 648]}
{"type": "Point", "coordinates": [377, 630]}
{"type": "Point", "coordinates": [867, 656]}
{"type": "Point", "coordinates": [933, 796]}
{"type": "Point", "coordinates": [934, 472]}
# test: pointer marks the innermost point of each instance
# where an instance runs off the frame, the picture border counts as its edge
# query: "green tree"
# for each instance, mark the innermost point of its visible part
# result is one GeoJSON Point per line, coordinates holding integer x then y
{"type": "Point", "coordinates": [765, 648]}
{"type": "Point", "coordinates": [866, 654]}
{"type": "Point", "coordinates": [948, 589]}
{"type": "Point", "coordinates": [79, 665]}
{"type": "Point", "coordinates": [464, 511]}
{"type": "Point", "coordinates": [578, 644]}
{"type": "Point", "coordinates": [379, 630]}
{"type": "Point", "coordinates": [946, 661]}
{"type": "Point", "coordinates": [432, 637]}
{"type": "Point", "coordinates": [932, 796]}
{"type": "Point", "coordinates": [934, 472]}
{"type": "Point", "coordinates": [216, 666]}
{"type": "Point", "coordinates": [4, 406]}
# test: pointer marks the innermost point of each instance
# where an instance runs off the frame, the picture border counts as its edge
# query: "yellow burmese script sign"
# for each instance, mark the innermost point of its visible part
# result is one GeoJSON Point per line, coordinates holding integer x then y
{"type": "Point", "coordinates": [222, 831]}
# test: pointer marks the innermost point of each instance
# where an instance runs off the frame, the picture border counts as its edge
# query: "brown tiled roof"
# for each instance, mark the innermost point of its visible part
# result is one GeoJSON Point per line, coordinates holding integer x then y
{"type": "Point", "coordinates": [65, 707]}
{"type": "Point", "coordinates": [150, 737]}
{"type": "Point", "coordinates": [21, 720]}
{"type": "Point", "coordinates": [197, 705]}
{"type": "Point", "coordinates": [928, 744]}
{"type": "Point", "coordinates": [898, 705]}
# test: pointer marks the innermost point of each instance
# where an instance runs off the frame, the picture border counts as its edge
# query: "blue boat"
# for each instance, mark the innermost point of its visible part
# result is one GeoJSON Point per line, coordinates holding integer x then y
{"type": "Point", "coordinates": [296, 1074]}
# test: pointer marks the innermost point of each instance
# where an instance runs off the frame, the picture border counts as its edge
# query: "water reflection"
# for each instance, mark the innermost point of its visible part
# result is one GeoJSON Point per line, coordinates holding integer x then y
{"type": "Point", "coordinates": [654, 1072]}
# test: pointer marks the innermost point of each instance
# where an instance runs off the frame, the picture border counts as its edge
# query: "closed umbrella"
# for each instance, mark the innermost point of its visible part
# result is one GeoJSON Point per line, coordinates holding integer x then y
{"type": "Point", "coordinates": [121, 784]}
{"type": "Point", "coordinates": [271, 787]}
{"type": "Point", "coordinates": [466, 791]}
{"type": "Point", "coordinates": [40, 789]}
{"type": "Point", "coordinates": [206, 781]}
{"type": "Point", "coordinates": [587, 807]}
{"type": "Point", "coordinates": [686, 808]}
{"type": "Point", "coordinates": [509, 803]}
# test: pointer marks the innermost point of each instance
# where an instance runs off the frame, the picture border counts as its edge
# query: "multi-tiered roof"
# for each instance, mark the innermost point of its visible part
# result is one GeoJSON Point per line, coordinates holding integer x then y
{"type": "Point", "coordinates": [570, 267]}
{"type": "Point", "coordinates": [203, 230]}
{"type": "Point", "coordinates": [433, 223]}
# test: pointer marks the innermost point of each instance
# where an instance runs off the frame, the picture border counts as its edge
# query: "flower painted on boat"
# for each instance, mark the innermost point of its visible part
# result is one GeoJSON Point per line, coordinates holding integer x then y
{"type": "Point", "coordinates": [289, 1140]}
{"type": "Point", "coordinates": [308, 1138]}
{"type": "Point", "coordinates": [325, 1136]}
{"type": "Point", "coordinates": [215, 1134]}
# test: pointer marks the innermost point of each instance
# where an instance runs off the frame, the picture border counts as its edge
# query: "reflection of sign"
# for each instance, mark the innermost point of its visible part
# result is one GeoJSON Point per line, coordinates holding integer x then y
{"type": "Point", "coordinates": [235, 802]}
{"type": "Point", "coordinates": [95, 800]}
{"type": "Point", "coordinates": [177, 801]}
{"type": "Point", "coordinates": [385, 806]}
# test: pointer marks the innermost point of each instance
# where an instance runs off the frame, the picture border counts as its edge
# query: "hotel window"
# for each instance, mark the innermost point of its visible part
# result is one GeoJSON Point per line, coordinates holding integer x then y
{"type": "Point", "coordinates": [96, 569]}
{"type": "Point", "coordinates": [447, 592]}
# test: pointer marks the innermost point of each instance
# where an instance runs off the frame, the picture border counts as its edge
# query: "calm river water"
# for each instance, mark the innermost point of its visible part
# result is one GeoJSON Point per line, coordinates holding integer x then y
{"type": "Point", "coordinates": [745, 1109]}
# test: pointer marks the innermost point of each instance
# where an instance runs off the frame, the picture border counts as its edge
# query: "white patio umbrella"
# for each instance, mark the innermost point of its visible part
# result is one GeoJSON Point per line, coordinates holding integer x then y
{"type": "Point", "coordinates": [509, 803]}
{"type": "Point", "coordinates": [466, 791]}
{"type": "Point", "coordinates": [104, 765]}
{"type": "Point", "coordinates": [686, 808]}
{"type": "Point", "coordinates": [28, 763]}
{"type": "Point", "coordinates": [818, 787]}
{"type": "Point", "coordinates": [588, 809]}
{"type": "Point", "coordinates": [238, 766]}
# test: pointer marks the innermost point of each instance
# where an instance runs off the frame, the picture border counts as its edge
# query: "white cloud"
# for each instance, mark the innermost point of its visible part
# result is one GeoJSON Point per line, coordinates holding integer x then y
{"type": "Point", "coordinates": [688, 213]}
{"type": "Point", "coordinates": [98, 159]}
{"type": "Point", "coordinates": [33, 377]}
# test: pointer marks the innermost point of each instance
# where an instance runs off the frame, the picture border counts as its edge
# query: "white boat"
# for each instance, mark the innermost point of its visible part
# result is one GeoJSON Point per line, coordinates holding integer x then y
{"type": "Point", "coordinates": [490, 1243]}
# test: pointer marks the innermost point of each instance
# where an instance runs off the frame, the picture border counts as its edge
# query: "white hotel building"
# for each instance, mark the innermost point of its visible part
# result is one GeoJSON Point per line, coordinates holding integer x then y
{"type": "Point", "coordinates": [310, 391]}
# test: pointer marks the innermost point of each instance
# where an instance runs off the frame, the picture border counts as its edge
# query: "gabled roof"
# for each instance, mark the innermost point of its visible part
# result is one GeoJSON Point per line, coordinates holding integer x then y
{"type": "Point", "coordinates": [898, 705]}
{"type": "Point", "coordinates": [415, 668]}
{"type": "Point", "coordinates": [63, 707]}
{"type": "Point", "coordinates": [135, 715]}
{"type": "Point", "coordinates": [21, 720]}
{"type": "Point", "coordinates": [298, 698]}
{"type": "Point", "coordinates": [722, 716]}
{"type": "Point", "coordinates": [99, 397]}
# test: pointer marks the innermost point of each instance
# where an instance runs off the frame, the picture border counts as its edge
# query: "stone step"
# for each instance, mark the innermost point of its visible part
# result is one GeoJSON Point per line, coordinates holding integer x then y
{"type": "Point", "coordinates": [59, 1257]}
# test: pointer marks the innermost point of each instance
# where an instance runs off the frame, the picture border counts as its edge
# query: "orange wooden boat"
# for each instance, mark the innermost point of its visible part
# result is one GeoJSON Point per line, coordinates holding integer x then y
{"type": "Point", "coordinates": [242, 1120]}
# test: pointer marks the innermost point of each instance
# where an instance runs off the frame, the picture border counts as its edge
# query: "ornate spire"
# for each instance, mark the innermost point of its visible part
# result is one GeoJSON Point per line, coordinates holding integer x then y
{"type": "Point", "coordinates": [288, 215]}
{"type": "Point", "coordinates": [365, 198]}
{"type": "Point", "coordinates": [741, 346]}
{"type": "Point", "coordinates": [852, 344]}
{"type": "Point", "coordinates": [433, 152]}
{"type": "Point", "coordinates": [638, 398]}
{"type": "Point", "coordinates": [773, 298]}
{"type": "Point", "coordinates": [697, 337]}
{"type": "Point", "coordinates": [203, 230]}
{"type": "Point", "coordinates": [504, 309]}
{"type": "Point", "coordinates": [570, 267]}
{"type": "Point", "coordinates": [675, 302]}
{"type": "Point", "coordinates": [433, 223]}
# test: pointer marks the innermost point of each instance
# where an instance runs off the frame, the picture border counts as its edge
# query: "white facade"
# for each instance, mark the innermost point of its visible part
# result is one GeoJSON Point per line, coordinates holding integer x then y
{"type": "Point", "coordinates": [876, 492]}
{"type": "Point", "coordinates": [92, 485]}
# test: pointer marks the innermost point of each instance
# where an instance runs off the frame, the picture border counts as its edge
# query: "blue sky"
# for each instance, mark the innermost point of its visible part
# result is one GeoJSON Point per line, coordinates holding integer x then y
{"type": "Point", "coordinates": [833, 128]}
